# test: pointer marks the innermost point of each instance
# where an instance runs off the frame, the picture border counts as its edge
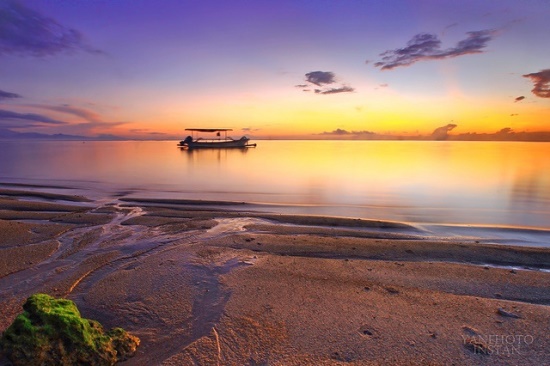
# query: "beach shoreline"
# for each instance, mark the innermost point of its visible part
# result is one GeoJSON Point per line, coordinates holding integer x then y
{"type": "Point", "coordinates": [205, 282]}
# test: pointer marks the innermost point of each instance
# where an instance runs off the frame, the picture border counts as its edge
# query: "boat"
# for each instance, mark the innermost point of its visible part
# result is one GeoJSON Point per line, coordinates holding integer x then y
{"type": "Point", "coordinates": [218, 142]}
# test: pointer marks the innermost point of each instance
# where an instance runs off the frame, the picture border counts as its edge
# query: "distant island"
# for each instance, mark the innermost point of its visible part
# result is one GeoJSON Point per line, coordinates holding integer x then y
{"type": "Point", "coordinates": [13, 135]}
{"type": "Point", "coordinates": [442, 134]}
{"type": "Point", "coordinates": [439, 134]}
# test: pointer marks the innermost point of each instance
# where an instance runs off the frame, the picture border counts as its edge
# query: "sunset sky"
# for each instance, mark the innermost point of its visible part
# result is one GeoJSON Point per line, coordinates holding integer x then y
{"type": "Point", "coordinates": [274, 69]}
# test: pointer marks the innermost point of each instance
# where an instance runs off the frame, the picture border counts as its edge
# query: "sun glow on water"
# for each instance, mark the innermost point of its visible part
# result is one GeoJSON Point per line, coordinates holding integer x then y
{"type": "Point", "coordinates": [493, 183]}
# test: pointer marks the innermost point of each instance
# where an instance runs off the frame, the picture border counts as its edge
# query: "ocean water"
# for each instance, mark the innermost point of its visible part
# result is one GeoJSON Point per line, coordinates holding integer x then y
{"type": "Point", "coordinates": [497, 184]}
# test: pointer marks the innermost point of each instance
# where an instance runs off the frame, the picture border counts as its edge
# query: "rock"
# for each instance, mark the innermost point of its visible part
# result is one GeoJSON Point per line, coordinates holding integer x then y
{"type": "Point", "coordinates": [365, 331]}
{"type": "Point", "coordinates": [51, 332]}
{"type": "Point", "coordinates": [470, 331]}
{"type": "Point", "coordinates": [508, 314]}
{"type": "Point", "coordinates": [474, 342]}
{"type": "Point", "coordinates": [340, 357]}
{"type": "Point", "coordinates": [477, 346]}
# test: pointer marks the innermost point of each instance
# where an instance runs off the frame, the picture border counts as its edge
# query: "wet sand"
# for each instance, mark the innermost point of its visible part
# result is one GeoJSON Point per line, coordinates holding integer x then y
{"type": "Point", "coordinates": [207, 283]}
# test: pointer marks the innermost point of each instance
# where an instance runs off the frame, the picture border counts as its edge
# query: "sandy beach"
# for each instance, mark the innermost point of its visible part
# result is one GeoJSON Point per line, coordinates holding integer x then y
{"type": "Point", "coordinates": [208, 283]}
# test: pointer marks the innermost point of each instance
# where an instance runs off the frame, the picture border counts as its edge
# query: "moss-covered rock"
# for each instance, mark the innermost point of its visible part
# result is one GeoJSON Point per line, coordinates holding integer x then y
{"type": "Point", "coordinates": [51, 332]}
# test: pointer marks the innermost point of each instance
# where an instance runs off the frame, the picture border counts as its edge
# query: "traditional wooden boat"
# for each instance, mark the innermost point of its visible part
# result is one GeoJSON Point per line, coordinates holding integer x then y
{"type": "Point", "coordinates": [218, 142]}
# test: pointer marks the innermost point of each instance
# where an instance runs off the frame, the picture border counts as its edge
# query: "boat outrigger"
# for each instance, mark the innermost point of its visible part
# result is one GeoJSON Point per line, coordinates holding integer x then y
{"type": "Point", "coordinates": [219, 142]}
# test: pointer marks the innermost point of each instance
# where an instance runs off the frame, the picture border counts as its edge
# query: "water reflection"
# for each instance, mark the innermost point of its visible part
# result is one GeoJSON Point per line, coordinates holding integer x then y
{"type": "Point", "coordinates": [196, 156]}
{"type": "Point", "coordinates": [502, 183]}
{"type": "Point", "coordinates": [530, 191]}
{"type": "Point", "coordinates": [462, 182]}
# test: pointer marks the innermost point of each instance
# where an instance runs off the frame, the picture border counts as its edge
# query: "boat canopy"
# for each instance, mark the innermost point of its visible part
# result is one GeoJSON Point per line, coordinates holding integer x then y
{"type": "Point", "coordinates": [208, 129]}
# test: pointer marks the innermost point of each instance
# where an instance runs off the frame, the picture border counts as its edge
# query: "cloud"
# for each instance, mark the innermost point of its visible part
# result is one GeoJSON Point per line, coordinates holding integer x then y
{"type": "Point", "coordinates": [426, 46]}
{"type": "Point", "coordinates": [541, 80]}
{"type": "Point", "coordinates": [85, 114]}
{"type": "Point", "coordinates": [90, 128]}
{"type": "Point", "coordinates": [320, 77]}
{"type": "Point", "coordinates": [11, 119]}
{"type": "Point", "coordinates": [520, 98]}
{"type": "Point", "coordinates": [249, 129]}
{"type": "Point", "coordinates": [338, 131]}
{"type": "Point", "coordinates": [341, 132]}
{"type": "Point", "coordinates": [26, 32]}
{"type": "Point", "coordinates": [8, 95]}
{"type": "Point", "coordinates": [343, 89]}
{"type": "Point", "coordinates": [442, 133]}
{"type": "Point", "coordinates": [449, 27]}
{"type": "Point", "coordinates": [145, 130]}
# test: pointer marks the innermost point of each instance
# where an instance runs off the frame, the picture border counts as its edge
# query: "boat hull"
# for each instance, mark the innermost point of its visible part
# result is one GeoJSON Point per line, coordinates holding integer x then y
{"type": "Point", "coordinates": [232, 144]}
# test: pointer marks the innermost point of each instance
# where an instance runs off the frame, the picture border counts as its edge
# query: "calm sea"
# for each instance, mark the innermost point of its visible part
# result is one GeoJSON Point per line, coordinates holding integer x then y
{"type": "Point", "coordinates": [464, 183]}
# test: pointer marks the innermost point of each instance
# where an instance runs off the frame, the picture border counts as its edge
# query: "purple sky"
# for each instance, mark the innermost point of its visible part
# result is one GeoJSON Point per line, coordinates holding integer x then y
{"type": "Point", "coordinates": [149, 69]}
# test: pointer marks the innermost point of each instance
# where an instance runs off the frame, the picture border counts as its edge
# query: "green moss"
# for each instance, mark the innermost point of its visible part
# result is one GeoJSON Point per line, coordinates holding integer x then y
{"type": "Point", "coordinates": [51, 331]}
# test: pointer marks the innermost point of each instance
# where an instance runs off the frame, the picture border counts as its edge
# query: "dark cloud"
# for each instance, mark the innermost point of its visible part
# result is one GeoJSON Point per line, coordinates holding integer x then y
{"type": "Point", "coordinates": [442, 133]}
{"type": "Point", "coordinates": [11, 119]}
{"type": "Point", "coordinates": [343, 89]}
{"type": "Point", "coordinates": [474, 43]}
{"type": "Point", "coordinates": [519, 98]}
{"type": "Point", "coordinates": [320, 77]}
{"type": "Point", "coordinates": [8, 95]}
{"type": "Point", "coordinates": [26, 32]}
{"type": "Point", "coordinates": [541, 80]}
{"type": "Point", "coordinates": [514, 114]}
{"type": "Point", "coordinates": [426, 46]}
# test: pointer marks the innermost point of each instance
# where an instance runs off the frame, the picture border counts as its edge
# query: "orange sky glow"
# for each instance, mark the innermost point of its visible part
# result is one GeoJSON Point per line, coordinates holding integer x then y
{"type": "Point", "coordinates": [300, 70]}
